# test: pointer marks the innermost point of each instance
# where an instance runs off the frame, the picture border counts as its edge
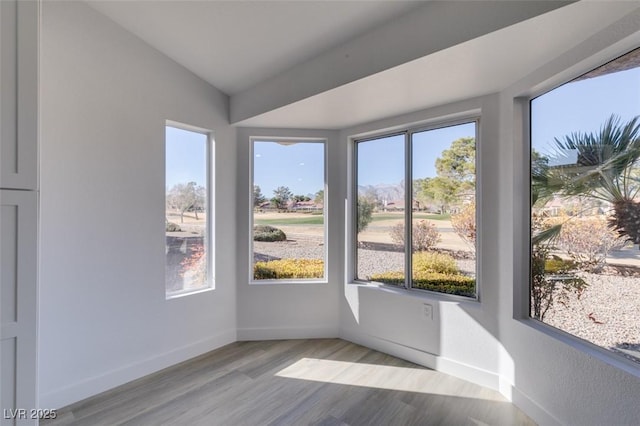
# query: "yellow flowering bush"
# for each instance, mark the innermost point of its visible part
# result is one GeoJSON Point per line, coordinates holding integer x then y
{"type": "Point", "coordinates": [432, 261]}
{"type": "Point", "coordinates": [435, 272]}
{"type": "Point", "coordinates": [288, 268]}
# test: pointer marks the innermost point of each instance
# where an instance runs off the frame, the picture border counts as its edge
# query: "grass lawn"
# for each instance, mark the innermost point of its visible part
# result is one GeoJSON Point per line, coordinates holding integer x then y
{"type": "Point", "coordinates": [319, 219]}
{"type": "Point", "coordinates": [307, 220]}
{"type": "Point", "coordinates": [391, 216]}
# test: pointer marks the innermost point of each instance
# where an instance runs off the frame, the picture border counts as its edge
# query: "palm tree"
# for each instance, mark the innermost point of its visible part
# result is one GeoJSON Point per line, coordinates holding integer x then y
{"type": "Point", "coordinates": [605, 169]}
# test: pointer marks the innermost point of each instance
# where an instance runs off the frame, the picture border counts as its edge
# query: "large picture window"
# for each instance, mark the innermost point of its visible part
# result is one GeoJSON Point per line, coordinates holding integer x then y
{"type": "Point", "coordinates": [288, 202]}
{"type": "Point", "coordinates": [437, 252]}
{"type": "Point", "coordinates": [585, 210]}
{"type": "Point", "coordinates": [188, 265]}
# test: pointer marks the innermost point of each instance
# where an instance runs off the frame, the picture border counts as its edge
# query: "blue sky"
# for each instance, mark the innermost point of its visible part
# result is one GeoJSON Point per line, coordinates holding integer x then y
{"type": "Point", "coordinates": [185, 157]}
{"type": "Point", "coordinates": [381, 161]}
{"type": "Point", "coordinates": [576, 106]}
{"type": "Point", "coordinates": [583, 106]}
{"type": "Point", "coordinates": [298, 166]}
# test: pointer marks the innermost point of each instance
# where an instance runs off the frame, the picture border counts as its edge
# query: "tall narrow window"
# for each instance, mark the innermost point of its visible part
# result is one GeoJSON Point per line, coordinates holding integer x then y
{"type": "Point", "coordinates": [380, 210]}
{"type": "Point", "coordinates": [289, 205]}
{"type": "Point", "coordinates": [188, 220]}
{"type": "Point", "coordinates": [585, 211]}
{"type": "Point", "coordinates": [439, 247]}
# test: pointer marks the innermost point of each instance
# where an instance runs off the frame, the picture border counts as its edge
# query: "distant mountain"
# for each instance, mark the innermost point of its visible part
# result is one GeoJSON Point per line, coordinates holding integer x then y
{"type": "Point", "coordinates": [383, 191]}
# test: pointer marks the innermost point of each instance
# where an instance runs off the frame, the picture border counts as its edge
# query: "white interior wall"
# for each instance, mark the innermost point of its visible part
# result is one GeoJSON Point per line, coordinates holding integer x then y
{"type": "Point", "coordinates": [553, 378]}
{"type": "Point", "coordinates": [288, 311]}
{"type": "Point", "coordinates": [104, 319]}
{"type": "Point", "coordinates": [462, 337]}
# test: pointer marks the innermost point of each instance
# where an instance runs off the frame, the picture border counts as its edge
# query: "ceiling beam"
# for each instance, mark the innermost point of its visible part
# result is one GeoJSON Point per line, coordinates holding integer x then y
{"type": "Point", "coordinates": [434, 27]}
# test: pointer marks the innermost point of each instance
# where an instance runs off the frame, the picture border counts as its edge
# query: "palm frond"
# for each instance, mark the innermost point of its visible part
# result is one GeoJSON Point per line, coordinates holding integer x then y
{"type": "Point", "coordinates": [547, 236]}
{"type": "Point", "coordinates": [603, 162]}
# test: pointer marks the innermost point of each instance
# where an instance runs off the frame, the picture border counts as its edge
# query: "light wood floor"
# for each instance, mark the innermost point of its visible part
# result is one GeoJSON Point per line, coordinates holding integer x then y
{"type": "Point", "coordinates": [295, 382]}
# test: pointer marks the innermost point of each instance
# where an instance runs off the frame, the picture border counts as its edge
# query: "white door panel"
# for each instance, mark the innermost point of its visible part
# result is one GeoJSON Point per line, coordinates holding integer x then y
{"type": "Point", "coordinates": [18, 305]}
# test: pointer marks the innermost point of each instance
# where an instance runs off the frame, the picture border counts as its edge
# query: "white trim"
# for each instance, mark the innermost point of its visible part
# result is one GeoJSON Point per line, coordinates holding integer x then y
{"type": "Point", "coordinates": [408, 131]}
{"type": "Point", "coordinates": [210, 190]}
{"type": "Point", "coordinates": [445, 365]}
{"type": "Point", "coordinates": [294, 139]}
{"type": "Point", "coordinates": [61, 397]}
{"type": "Point", "coordinates": [279, 333]}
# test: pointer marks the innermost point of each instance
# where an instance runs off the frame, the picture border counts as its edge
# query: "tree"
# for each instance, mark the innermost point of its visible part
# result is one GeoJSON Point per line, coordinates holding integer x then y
{"type": "Point", "coordinates": [459, 161]}
{"type": "Point", "coordinates": [606, 169]}
{"type": "Point", "coordinates": [298, 198]}
{"type": "Point", "coordinates": [456, 174]}
{"type": "Point", "coordinates": [319, 197]}
{"type": "Point", "coordinates": [365, 212]}
{"type": "Point", "coordinates": [373, 196]}
{"type": "Point", "coordinates": [441, 190]}
{"type": "Point", "coordinates": [187, 197]}
{"type": "Point", "coordinates": [258, 198]}
{"type": "Point", "coordinates": [281, 197]}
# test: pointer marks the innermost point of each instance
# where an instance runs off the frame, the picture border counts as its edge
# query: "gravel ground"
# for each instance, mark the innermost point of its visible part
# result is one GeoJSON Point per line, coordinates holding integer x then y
{"type": "Point", "coordinates": [287, 249]}
{"type": "Point", "coordinates": [607, 314]}
{"type": "Point", "coordinates": [369, 261]}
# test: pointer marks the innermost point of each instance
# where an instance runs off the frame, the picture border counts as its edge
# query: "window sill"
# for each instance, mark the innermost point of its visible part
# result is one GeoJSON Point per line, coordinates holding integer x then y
{"type": "Point", "coordinates": [288, 282]}
{"type": "Point", "coordinates": [185, 293]}
{"type": "Point", "coordinates": [416, 293]}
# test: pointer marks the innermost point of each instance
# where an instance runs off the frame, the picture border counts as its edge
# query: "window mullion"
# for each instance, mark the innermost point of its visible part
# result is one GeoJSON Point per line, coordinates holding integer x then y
{"type": "Point", "coordinates": [408, 211]}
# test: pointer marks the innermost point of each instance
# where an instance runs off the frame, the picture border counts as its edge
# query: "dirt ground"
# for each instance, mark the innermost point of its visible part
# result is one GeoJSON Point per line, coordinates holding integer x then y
{"type": "Point", "coordinates": [376, 232]}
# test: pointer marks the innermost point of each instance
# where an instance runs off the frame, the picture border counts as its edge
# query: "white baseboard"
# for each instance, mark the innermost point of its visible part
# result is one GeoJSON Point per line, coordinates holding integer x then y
{"type": "Point", "coordinates": [62, 397]}
{"type": "Point", "coordinates": [470, 373]}
{"type": "Point", "coordinates": [532, 409]}
{"type": "Point", "coordinates": [271, 333]}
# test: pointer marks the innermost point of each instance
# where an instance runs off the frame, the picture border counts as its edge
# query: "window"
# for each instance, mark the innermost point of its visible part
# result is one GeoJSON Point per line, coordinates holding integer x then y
{"type": "Point", "coordinates": [585, 207]}
{"type": "Point", "coordinates": [188, 222]}
{"type": "Point", "coordinates": [288, 220]}
{"type": "Point", "coordinates": [439, 247]}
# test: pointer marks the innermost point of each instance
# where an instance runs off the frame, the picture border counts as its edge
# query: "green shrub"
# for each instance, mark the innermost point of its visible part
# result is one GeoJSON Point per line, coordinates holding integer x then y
{"type": "Point", "coordinates": [435, 272]}
{"type": "Point", "coordinates": [288, 268]}
{"type": "Point", "coordinates": [557, 265]}
{"type": "Point", "coordinates": [391, 278]}
{"type": "Point", "coordinates": [365, 212]}
{"type": "Point", "coordinates": [171, 227]}
{"type": "Point", "coordinates": [459, 284]}
{"type": "Point", "coordinates": [268, 233]}
{"type": "Point", "coordinates": [431, 261]}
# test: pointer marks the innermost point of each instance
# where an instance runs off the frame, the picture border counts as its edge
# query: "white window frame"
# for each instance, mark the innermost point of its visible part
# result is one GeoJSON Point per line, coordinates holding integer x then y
{"type": "Point", "coordinates": [324, 142]}
{"type": "Point", "coordinates": [210, 239]}
{"type": "Point", "coordinates": [408, 131]}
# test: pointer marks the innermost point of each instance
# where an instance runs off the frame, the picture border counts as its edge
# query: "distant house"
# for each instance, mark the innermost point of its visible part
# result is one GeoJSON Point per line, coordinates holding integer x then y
{"type": "Point", "coordinates": [264, 206]}
{"type": "Point", "coordinates": [308, 206]}
{"type": "Point", "coordinates": [398, 205]}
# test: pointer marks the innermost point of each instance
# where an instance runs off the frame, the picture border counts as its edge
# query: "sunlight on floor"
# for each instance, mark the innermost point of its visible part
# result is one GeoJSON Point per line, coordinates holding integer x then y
{"type": "Point", "coordinates": [387, 377]}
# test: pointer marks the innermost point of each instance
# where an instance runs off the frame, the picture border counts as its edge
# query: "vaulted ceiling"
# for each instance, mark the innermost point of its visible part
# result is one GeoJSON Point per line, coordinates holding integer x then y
{"type": "Point", "coordinates": [334, 64]}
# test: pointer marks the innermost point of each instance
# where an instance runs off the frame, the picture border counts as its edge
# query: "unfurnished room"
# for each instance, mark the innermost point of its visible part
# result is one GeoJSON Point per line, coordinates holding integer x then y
{"type": "Point", "coordinates": [319, 212]}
